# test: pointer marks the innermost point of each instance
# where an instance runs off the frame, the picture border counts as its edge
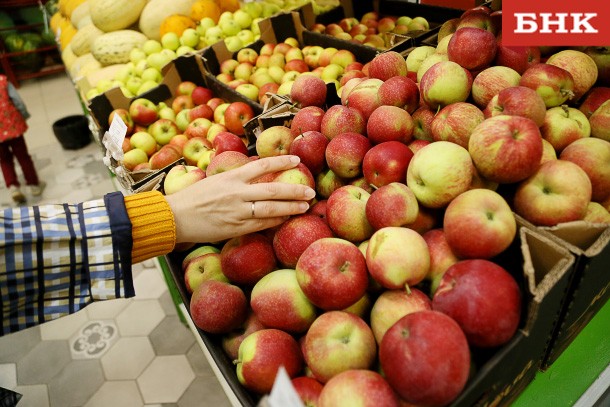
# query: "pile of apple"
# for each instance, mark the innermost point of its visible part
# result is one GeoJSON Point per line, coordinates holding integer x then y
{"type": "Point", "coordinates": [370, 30]}
{"type": "Point", "coordinates": [275, 68]}
{"type": "Point", "coordinates": [195, 125]}
{"type": "Point", "coordinates": [418, 179]}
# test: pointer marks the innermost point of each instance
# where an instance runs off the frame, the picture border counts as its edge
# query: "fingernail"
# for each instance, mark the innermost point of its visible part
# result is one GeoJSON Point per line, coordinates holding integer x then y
{"type": "Point", "coordinates": [295, 159]}
{"type": "Point", "coordinates": [309, 193]}
{"type": "Point", "coordinates": [303, 206]}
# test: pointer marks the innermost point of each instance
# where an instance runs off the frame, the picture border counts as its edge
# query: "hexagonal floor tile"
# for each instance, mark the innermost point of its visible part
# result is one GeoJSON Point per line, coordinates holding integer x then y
{"type": "Point", "coordinates": [33, 396]}
{"type": "Point", "coordinates": [204, 390]}
{"type": "Point", "coordinates": [139, 318]}
{"type": "Point", "coordinates": [15, 346]}
{"type": "Point", "coordinates": [43, 362]}
{"type": "Point", "coordinates": [171, 337]}
{"type": "Point", "coordinates": [93, 339]}
{"type": "Point", "coordinates": [75, 384]}
{"type": "Point", "coordinates": [149, 284]}
{"type": "Point", "coordinates": [116, 394]}
{"type": "Point", "coordinates": [157, 386]}
{"type": "Point", "coordinates": [8, 375]}
{"type": "Point", "coordinates": [127, 358]}
{"type": "Point", "coordinates": [107, 309]}
{"type": "Point", "coordinates": [64, 327]}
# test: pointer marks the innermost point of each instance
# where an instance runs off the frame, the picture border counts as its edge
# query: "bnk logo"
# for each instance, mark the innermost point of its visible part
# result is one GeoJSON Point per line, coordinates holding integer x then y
{"type": "Point", "coordinates": [552, 22]}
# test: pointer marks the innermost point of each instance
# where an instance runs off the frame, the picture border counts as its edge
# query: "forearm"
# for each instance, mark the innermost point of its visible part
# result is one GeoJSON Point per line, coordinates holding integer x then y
{"type": "Point", "coordinates": [56, 259]}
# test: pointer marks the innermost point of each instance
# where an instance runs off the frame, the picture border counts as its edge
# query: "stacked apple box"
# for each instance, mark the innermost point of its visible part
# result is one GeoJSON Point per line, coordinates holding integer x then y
{"type": "Point", "coordinates": [589, 288]}
{"type": "Point", "coordinates": [184, 68]}
{"type": "Point", "coordinates": [541, 266]}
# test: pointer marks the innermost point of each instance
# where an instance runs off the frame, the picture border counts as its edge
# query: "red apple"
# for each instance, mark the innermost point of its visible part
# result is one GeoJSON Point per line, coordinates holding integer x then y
{"type": "Point", "coordinates": [181, 176]}
{"type": "Point", "coordinates": [419, 376]}
{"type": "Point", "coordinates": [346, 213]}
{"type": "Point", "coordinates": [563, 125]}
{"type": "Point", "coordinates": [345, 153]}
{"type": "Point", "coordinates": [517, 58]}
{"type": "Point", "coordinates": [483, 298]}
{"type": "Point", "coordinates": [327, 182]}
{"type": "Point", "coordinates": [364, 97]}
{"type": "Point", "coordinates": [308, 389]}
{"type": "Point", "coordinates": [202, 268]}
{"type": "Point", "coordinates": [226, 161]}
{"type": "Point", "coordinates": [201, 111]}
{"type": "Point", "coordinates": [358, 387]}
{"type": "Point", "coordinates": [441, 256]}
{"type": "Point", "coordinates": [232, 340]}
{"type": "Point", "coordinates": [342, 119]}
{"type": "Point", "coordinates": [580, 65]}
{"type": "Point", "coordinates": [393, 204]}
{"type": "Point", "coordinates": [226, 141]}
{"type": "Point", "coordinates": [166, 155]}
{"type": "Point", "coordinates": [593, 156]}
{"type": "Point", "coordinates": [310, 146]}
{"type": "Point", "coordinates": [332, 273]}
{"type": "Point", "coordinates": [456, 122]}
{"type": "Point", "coordinates": [236, 115]}
{"type": "Point", "coordinates": [517, 101]}
{"type": "Point", "coordinates": [490, 81]}
{"type": "Point", "coordinates": [387, 65]}
{"type": "Point", "coordinates": [386, 162]}
{"type": "Point", "coordinates": [295, 235]}
{"type": "Point", "coordinates": [307, 119]}
{"type": "Point", "coordinates": [400, 91]}
{"type": "Point", "coordinates": [506, 149]}
{"type": "Point", "coordinates": [228, 302]}
{"type": "Point", "coordinates": [554, 84]}
{"type": "Point", "coordinates": [201, 95]}
{"type": "Point", "coordinates": [472, 48]}
{"type": "Point", "coordinates": [262, 353]}
{"type": "Point", "coordinates": [422, 121]}
{"type": "Point", "coordinates": [198, 128]}
{"type": "Point", "coordinates": [308, 90]}
{"type": "Point", "coordinates": [599, 121]}
{"type": "Point", "coordinates": [125, 117]}
{"type": "Point", "coordinates": [389, 123]}
{"type": "Point", "coordinates": [182, 102]}
{"type": "Point", "coordinates": [143, 112]}
{"type": "Point", "coordinates": [246, 259]}
{"type": "Point", "coordinates": [594, 99]}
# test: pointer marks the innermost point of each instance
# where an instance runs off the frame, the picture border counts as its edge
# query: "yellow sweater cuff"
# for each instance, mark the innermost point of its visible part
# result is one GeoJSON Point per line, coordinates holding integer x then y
{"type": "Point", "coordinates": [153, 228]}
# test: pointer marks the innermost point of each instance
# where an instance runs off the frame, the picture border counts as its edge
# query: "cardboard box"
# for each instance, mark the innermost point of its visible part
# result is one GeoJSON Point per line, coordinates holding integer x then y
{"type": "Point", "coordinates": [540, 266]}
{"type": "Point", "coordinates": [589, 287]}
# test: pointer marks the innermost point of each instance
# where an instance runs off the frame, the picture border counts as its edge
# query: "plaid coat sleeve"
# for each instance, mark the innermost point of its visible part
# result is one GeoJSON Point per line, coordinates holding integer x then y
{"type": "Point", "coordinates": [57, 259]}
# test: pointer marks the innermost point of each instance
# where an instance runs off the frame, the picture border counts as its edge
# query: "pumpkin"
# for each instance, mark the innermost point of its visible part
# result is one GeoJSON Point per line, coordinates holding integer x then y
{"type": "Point", "coordinates": [176, 23]}
{"type": "Point", "coordinates": [229, 5]}
{"type": "Point", "coordinates": [156, 11]}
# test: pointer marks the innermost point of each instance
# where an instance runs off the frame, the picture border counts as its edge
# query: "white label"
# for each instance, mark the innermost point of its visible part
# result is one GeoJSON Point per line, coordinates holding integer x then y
{"type": "Point", "coordinates": [117, 130]}
{"type": "Point", "coordinates": [283, 393]}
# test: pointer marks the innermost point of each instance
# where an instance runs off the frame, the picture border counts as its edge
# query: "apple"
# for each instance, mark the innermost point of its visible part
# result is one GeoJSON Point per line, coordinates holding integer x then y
{"type": "Point", "coordinates": [389, 123]}
{"type": "Point", "coordinates": [126, 145]}
{"type": "Point", "coordinates": [386, 162]}
{"type": "Point", "coordinates": [456, 122]}
{"type": "Point", "coordinates": [364, 97]}
{"type": "Point", "coordinates": [444, 83]}
{"type": "Point", "coordinates": [580, 65]}
{"type": "Point", "coordinates": [166, 112]}
{"type": "Point", "coordinates": [182, 102]}
{"type": "Point", "coordinates": [308, 389]}
{"type": "Point", "coordinates": [427, 64]}
{"type": "Point", "coordinates": [307, 119]}
{"type": "Point", "coordinates": [345, 153]}
{"type": "Point", "coordinates": [143, 112]}
{"type": "Point", "coordinates": [422, 122]}
{"type": "Point", "coordinates": [360, 387]}
{"type": "Point", "coordinates": [417, 56]}
{"type": "Point", "coordinates": [518, 58]}
{"type": "Point", "coordinates": [594, 99]}
{"type": "Point", "coordinates": [295, 235]}
{"type": "Point", "coordinates": [236, 115]}
{"type": "Point", "coordinates": [596, 213]}
{"type": "Point", "coordinates": [144, 141]}
{"type": "Point", "coordinates": [554, 84]}
{"type": "Point", "coordinates": [342, 119]}
{"type": "Point", "coordinates": [198, 128]}
{"type": "Point", "coordinates": [124, 115]}
{"type": "Point", "coordinates": [472, 48]}
{"type": "Point", "coordinates": [310, 146]}
{"type": "Point", "coordinates": [265, 91]}
{"type": "Point", "coordinates": [592, 155]}
{"type": "Point", "coordinates": [203, 268]}
{"type": "Point", "coordinates": [399, 91]}
{"type": "Point", "coordinates": [599, 122]}
{"type": "Point", "coordinates": [419, 376]}
{"type": "Point", "coordinates": [480, 17]}
{"type": "Point", "coordinates": [223, 162]}
{"type": "Point", "coordinates": [230, 341]}
{"type": "Point", "coordinates": [260, 356]}
{"type": "Point", "coordinates": [163, 130]}
{"type": "Point", "coordinates": [133, 157]}
{"type": "Point", "coordinates": [274, 141]}
{"type": "Point", "coordinates": [180, 177]}
{"type": "Point", "coordinates": [327, 182]}
{"type": "Point", "coordinates": [278, 302]}
{"type": "Point", "coordinates": [441, 256]}
{"type": "Point", "coordinates": [182, 119]}
{"type": "Point", "coordinates": [393, 204]}
{"type": "Point", "coordinates": [387, 65]}
{"type": "Point", "coordinates": [185, 88]}
{"type": "Point", "coordinates": [517, 101]}
{"type": "Point", "coordinates": [246, 259]}
{"type": "Point", "coordinates": [201, 95]}
{"type": "Point", "coordinates": [308, 90]}
{"type": "Point", "coordinates": [548, 152]}
{"type": "Point", "coordinates": [491, 81]}
{"type": "Point", "coordinates": [200, 111]}
{"type": "Point", "coordinates": [226, 141]}
{"type": "Point", "coordinates": [483, 298]}
{"type": "Point", "coordinates": [346, 213]}
{"type": "Point", "coordinates": [194, 148]}
{"type": "Point", "coordinates": [219, 113]}
{"type": "Point", "coordinates": [243, 71]}
{"type": "Point", "coordinates": [166, 155]}
{"type": "Point", "coordinates": [439, 172]}
{"type": "Point", "coordinates": [506, 149]}
{"type": "Point", "coordinates": [563, 125]}
{"type": "Point", "coordinates": [559, 191]}
{"type": "Point", "coordinates": [249, 90]}
{"type": "Point", "coordinates": [225, 78]}
{"type": "Point", "coordinates": [392, 305]}
{"type": "Point", "coordinates": [397, 256]}
{"type": "Point", "coordinates": [228, 302]}
{"type": "Point", "coordinates": [336, 342]}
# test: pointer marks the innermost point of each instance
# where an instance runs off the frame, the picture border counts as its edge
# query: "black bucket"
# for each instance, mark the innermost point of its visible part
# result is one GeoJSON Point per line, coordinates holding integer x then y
{"type": "Point", "coordinates": [72, 132]}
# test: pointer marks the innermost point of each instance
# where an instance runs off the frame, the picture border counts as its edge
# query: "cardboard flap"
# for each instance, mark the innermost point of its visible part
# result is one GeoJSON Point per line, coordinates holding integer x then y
{"type": "Point", "coordinates": [582, 238]}
{"type": "Point", "coordinates": [545, 262]}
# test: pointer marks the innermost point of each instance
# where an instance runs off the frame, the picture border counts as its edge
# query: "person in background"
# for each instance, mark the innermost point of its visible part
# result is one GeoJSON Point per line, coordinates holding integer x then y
{"type": "Point", "coordinates": [56, 259]}
{"type": "Point", "coordinates": [13, 116]}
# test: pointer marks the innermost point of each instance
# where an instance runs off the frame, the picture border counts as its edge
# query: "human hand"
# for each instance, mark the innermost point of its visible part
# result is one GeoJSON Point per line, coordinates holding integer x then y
{"type": "Point", "coordinates": [229, 204]}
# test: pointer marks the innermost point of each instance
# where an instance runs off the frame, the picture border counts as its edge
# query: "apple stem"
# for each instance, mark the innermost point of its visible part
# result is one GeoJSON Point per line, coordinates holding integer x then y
{"type": "Point", "coordinates": [567, 92]}
{"type": "Point", "coordinates": [438, 109]}
{"type": "Point", "coordinates": [408, 289]}
{"type": "Point", "coordinates": [566, 110]}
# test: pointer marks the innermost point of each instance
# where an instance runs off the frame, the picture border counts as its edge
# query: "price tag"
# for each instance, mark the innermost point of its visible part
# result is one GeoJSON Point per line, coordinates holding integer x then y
{"type": "Point", "coordinates": [115, 136]}
{"type": "Point", "coordinates": [283, 393]}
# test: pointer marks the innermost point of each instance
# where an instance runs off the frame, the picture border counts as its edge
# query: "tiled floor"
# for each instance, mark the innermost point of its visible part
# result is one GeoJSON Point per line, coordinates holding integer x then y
{"type": "Point", "coordinates": [127, 352]}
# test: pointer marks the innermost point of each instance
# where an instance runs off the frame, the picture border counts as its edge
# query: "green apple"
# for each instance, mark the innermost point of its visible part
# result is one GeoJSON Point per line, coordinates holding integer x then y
{"type": "Point", "coordinates": [254, 26]}
{"type": "Point", "coordinates": [276, 73]}
{"type": "Point", "coordinates": [157, 60]}
{"type": "Point", "coordinates": [103, 85]}
{"type": "Point", "coordinates": [169, 53]}
{"type": "Point", "coordinates": [151, 47]}
{"type": "Point", "coordinates": [140, 67]}
{"type": "Point", "coordinates": [136, 55]}
{"type": "Point", "coordinates": [146, 86]}
{"type": "Point", "coordinates": [270, 9]}
{"type": "Point", "coordinates": [205, 24]}
{"type": "Point", "coordinates": [91, 93]}
{"type": "Point", "coordinates": [289, 76]}
{"type": "Point", "coordinates": [133, 84]}
{"type": "Point", "coordinates": [183, 50]}
{"type": "Point", "coordinates": [225, 16]}
{"type": "Point", "coordinates": [242, 18]}
{"type": "Point", "coordinates": [285, 88]}
{"type": "Point", "coordinates": [182, 119]}
{"type": "Point", "coordinates": [246, 36]}
{"type": "Point", "coordinates": [230, 27]}
{"type": "Point", "coordinates": [151, 74]}
{"type": "Point", "coordinates": [167, 112]}
{"type": "Point", "coordinates": [189, 37]}
{"type": "Point", "coordinates": [213, 35]}
{"type": "Point", "coordinates": [125, 73]}
{"type": "Point", "coordinates": [403, 20]}
{"type": "Point", "coordinates": [253, 8]}
{"type": "Point", "coordinates": [248, 90]}
{"type": "Point", "coordinates": [417, 56]}
{"type": "Point", "coordinates": [127, 93]}
{"type": "Point", "coordinates": [233, 43]}
{"type": "Point", "coordinates": [331, 72]}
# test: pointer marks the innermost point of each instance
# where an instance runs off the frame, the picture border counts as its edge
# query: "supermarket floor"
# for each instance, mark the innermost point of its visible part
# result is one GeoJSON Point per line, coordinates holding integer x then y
{"type": "Point", "coordinates": [127, 352]}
